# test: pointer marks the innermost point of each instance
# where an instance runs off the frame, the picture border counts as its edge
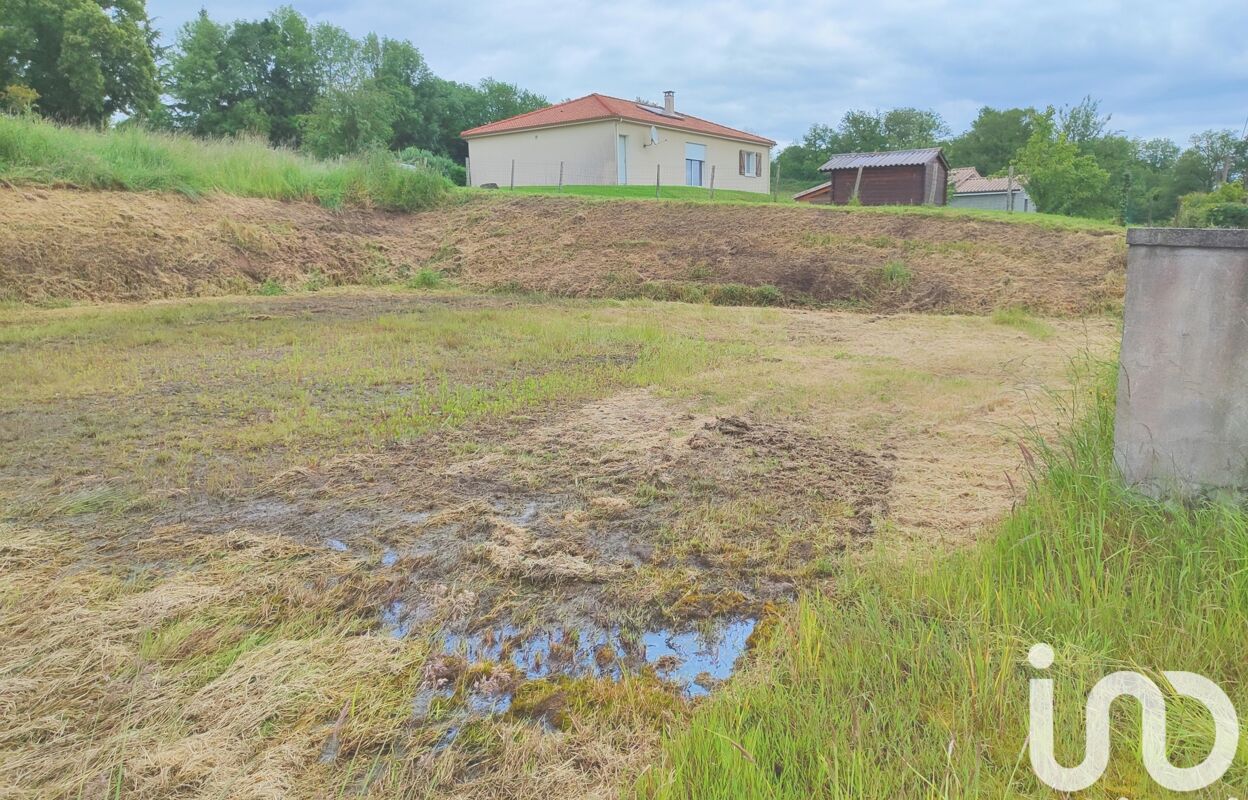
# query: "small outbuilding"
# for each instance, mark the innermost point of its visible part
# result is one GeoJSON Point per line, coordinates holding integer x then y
{"type": "Point", "coordinates": [899, 177]}
{"type": "Point", "coordinates": [972, 190]}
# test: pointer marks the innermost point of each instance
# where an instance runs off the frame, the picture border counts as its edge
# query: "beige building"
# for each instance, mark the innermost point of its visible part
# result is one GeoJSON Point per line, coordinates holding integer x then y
{"type": "Point", "coordinates": [600, 140]}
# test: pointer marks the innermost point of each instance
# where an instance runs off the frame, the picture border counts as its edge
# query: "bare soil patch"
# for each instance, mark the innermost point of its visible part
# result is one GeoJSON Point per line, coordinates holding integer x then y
{"type": "Point", "coordinates": [70, 245]}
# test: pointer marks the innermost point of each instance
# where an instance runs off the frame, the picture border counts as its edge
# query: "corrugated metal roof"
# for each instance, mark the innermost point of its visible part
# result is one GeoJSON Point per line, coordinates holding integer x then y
{"type": "Point", "coordinates": [813, 190]}
{"type": "Point", "coordinates": [894, 158]}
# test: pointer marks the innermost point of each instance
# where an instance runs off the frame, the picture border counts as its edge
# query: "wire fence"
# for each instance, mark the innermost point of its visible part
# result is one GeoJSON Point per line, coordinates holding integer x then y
{"type": "Point", "coordinates": [514, 173]}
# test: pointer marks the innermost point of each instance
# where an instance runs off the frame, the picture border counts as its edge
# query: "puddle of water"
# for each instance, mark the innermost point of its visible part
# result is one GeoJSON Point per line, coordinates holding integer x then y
{"type": "Point", "coordinates": [696, 662]}
{"type": "Point", "coordinates": [337, 545]}
{"type": "Point", "coordinates": [389, 558]}
{"type": "Point", "coordinates": [693, 660]}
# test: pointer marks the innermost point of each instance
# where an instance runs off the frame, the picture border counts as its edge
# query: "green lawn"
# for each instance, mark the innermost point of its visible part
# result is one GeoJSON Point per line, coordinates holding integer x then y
{"type": "Point", "coordinates": [688, 193]}
{"type": "Point", "coordinates": [699, 195]}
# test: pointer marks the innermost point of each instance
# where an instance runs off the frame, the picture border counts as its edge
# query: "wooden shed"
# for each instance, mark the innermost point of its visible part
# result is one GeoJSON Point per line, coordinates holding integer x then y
{"type": "Point", "coordinates": [900, 177]}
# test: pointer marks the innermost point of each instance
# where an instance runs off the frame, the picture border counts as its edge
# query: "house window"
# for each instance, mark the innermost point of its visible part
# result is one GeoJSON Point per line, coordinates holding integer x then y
{"type": "Point", "coordinates": [751, 163]}
{"type": "Point", "coordinates": [695, 163]}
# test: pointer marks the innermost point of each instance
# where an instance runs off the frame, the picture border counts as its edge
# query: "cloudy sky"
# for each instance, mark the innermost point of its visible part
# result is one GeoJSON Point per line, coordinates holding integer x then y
{"type": "Point", "coordinates": [1161, 67]}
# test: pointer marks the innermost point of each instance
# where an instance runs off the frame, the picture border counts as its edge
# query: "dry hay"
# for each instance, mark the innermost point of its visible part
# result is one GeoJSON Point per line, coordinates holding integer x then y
{"type": "Point", "coordinates": [61, 244]}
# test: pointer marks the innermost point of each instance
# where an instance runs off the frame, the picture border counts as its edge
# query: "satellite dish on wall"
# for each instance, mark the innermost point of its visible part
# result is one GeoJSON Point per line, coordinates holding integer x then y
{"type": "Point", "coordinates": [654, 135]}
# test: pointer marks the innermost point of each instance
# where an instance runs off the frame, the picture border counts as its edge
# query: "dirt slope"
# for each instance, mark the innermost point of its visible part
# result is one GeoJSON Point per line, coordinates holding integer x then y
{"type": "Point", "coordinates": [64, 244]}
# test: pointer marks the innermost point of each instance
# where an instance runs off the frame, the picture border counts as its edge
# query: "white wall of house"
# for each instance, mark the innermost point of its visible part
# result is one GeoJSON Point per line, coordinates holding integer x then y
{"type": "Point", "coordinates": [587, 151]}
{"type": "Point", "coordinates": [670, 156]}
{"type": "Point", "coordinates": [593, 153]}
{"type": "Point", "coordinates": [993, 201]}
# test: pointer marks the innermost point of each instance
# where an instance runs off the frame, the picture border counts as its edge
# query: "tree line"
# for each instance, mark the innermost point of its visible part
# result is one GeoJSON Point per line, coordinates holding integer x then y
{"type": "Point", "coordinates": [317, 88]}
{"type": "Point", "coordinates": [1075, 163]}
{"type": "Point", "coordinates": [302, 85]}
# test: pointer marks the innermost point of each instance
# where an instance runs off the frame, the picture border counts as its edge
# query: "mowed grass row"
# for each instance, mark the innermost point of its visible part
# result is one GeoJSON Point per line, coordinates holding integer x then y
{"type": "Point", "coordinates": [36, 152]}
{"type": "Point", "coordinates": [912, 682]}
{"type": "Point", "coordinates": [189, 384]}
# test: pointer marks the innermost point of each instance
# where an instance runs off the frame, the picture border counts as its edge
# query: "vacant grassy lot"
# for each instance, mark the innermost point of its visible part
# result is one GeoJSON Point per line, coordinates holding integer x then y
{"type": "Point", "coordinates": [404, 543]}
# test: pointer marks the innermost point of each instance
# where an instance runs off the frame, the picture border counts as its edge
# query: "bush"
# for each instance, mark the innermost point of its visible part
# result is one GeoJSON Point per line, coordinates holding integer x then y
{"type": "Point", "coordinates": [442, 165]}
{"type": "Point", "coordinates": [1224, 207]}
{"type": "Point", "coordinates": [34, 151]}
{"type": "Point", "coordinates": [1228, 215]}
{"type": "Point", "coordinates": [425, 279]}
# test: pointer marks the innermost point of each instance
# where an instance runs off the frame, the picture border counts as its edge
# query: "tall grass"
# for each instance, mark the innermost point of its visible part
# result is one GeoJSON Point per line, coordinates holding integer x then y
{"type": "Point", "coordinates": [913, 682]}
{"type": "Point", "coordinates": [34, 151]}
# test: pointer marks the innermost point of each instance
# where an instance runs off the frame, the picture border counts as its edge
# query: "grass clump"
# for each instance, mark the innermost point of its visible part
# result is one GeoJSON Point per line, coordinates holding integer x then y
{"type": "Point", "coordinates": [1022, 320]}
{"type": "Point", "coordinates": [270, 288]}
{"type": "Point", "coordinates": [913, 682]}
{"type": "Point", "coordinates": [426, 279]}
{"type": "Point", "coordinates": [896, 273]}
{"type": "Point", "coordinates": [34, 151]}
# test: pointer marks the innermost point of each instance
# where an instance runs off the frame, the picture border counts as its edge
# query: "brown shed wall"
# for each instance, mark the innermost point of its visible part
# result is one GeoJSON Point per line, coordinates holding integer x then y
{"type": "Point", "coordinates": [881, 186]}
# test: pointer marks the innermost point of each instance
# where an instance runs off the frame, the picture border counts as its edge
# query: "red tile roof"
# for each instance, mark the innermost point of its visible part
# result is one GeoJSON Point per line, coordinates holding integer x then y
{"type": "Point", "coordinates": [967, 180]}
{"type": "Point", "coordinates": [600, 106]}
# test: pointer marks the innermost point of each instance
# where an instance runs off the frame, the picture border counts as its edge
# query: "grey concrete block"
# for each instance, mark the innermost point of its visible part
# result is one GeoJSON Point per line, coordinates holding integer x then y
{"type": "Point", "coordinates": [1182, 417]}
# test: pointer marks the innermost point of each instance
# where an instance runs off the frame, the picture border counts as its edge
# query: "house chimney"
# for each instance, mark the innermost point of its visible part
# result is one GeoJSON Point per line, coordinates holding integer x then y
{"type": "Point", "coordinates": [669, 102]}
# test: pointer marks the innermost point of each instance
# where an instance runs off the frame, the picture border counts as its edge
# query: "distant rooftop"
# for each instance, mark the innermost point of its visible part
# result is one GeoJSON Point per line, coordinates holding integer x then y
{"type": "Point", "coordinates": [967, 180]}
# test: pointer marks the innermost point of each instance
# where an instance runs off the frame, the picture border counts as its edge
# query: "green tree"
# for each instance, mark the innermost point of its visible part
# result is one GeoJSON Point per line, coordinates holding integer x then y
{"type": "Point", "coordinates": [250, 76]}
{"type": "Point", "coordinates": [1059, 178]}
{"type": "Point", "coordinates": [992, 140]}
{"type": "Point", "coordinates": [858, 132]}
{"type": "Point", "coordinates": [1083, 124]}
{"type": "Point", "coordinates": [87, 59]}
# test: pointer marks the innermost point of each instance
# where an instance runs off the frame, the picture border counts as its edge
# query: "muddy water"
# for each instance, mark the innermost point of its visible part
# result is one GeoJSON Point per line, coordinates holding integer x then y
{"type": "Point", "coordinates": [694, 660]}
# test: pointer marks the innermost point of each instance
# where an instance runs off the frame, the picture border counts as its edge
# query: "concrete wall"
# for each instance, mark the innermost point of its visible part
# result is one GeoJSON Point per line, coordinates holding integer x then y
{"type": "Point", "coordinates": [1182, 422]}
{"type": "Point", "coordinates": [994, 201]}
{"type": "Point", "coordinates": [587, 151]}
{"type": "Point", "coordinates": [669, 153]}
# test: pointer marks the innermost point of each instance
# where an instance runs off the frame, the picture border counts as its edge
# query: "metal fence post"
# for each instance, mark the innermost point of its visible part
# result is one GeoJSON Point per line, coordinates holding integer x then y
{"type": "Point", "coordinates": [712, 181]}
{"type": "Point", "coordinates": [657, 167]}
{"type": "Point", "coordinates": [513, 173]}
{"type": "Point", "coordinates": [561, 177]}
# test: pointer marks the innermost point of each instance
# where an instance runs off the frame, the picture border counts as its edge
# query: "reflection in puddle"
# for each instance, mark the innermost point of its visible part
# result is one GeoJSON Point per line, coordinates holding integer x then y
{"type": "Point", "coordinates": [694, 660]}
{"type": "Point", "coordinates": [337, 545]}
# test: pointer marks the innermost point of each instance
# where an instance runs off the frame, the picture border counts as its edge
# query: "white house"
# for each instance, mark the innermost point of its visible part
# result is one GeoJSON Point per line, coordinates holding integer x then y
{"type": "Point", "coordinates": [602, 140]}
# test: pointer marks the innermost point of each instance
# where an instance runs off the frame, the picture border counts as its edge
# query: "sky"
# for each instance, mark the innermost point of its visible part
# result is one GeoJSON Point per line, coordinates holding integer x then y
{"type": "Point", "coordinates": [1160, 67]}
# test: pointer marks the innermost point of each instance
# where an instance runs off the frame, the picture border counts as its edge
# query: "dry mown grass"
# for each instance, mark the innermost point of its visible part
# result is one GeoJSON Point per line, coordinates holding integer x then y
{"type": "Point", "coordinates": [173, 623]}
{"type": "Point", "coordinates": [62, 245]}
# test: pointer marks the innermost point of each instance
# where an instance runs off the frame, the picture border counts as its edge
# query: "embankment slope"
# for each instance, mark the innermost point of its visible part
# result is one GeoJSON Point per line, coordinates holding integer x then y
{"type": "Point", "coordinates": [62, 244]}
